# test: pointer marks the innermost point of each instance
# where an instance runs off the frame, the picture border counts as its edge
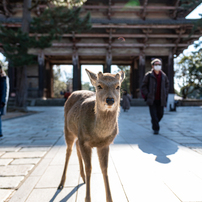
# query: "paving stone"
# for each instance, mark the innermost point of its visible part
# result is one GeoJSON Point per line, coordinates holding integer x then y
{"type": "Point", "coordinates": [53, 174]}
{"type": "Point", "coordinates": [186, 140]}
{"type": "Point", "coordinates": [198, 145]}
{"type": "Point", "coordinates": [36, 145]}
{"type": "Point", "coordinates": [23, 154]}
{"type": "Point", "coordinates": [4, 162]}
{"type": "Point", "coordinates": [33, 149]}
{"type": "Point", "coordinates": [12, 170]}
{"type": "Point", "coordinates": [39, 142]}
{"type": "Point", "coordinates": [8, 149]}
{"type": "Point", "coordinates": [25, 190]}
{"type": "Point", "coordinates": [25, 161]}
{"type": "Point", "coordinates": [198, 150]}
{"type": "Point", "coordinates": [41, 168]}
{"type": "Point", "coordinates": [4, 194]}
{"type": "Point", "coordinates": [66, 194]}
{"type": "Point", "coordinates": [10, 182]}
{"type": "Point", "coordinates": [182, 183]}
{"type": "Point", "coordinates": [199, 138]}
{"type": "Point", "coordinates": [139, 162]}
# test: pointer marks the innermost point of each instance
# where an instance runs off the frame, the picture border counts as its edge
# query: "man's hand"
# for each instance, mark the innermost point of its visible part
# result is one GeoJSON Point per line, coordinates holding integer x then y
{"type": "Point", "coordinates": [2, 105]}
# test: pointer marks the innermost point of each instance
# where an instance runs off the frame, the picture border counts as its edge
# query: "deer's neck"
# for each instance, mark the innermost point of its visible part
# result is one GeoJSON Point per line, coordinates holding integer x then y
{"type": "Point", "coordinates": [106, 121]}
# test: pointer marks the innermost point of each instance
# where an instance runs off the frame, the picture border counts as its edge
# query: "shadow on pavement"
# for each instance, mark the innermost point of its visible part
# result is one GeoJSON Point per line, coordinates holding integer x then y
{"type": "Point", "coordinates": [159, 147]}
{"type": "Point", "coordinates": [68, 196]}
{"type": "Point", "coordinates": [150, 144]}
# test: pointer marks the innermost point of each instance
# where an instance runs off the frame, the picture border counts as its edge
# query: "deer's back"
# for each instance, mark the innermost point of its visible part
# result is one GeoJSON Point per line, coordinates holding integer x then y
{"type": "Point", "coordinates": [80, 105]}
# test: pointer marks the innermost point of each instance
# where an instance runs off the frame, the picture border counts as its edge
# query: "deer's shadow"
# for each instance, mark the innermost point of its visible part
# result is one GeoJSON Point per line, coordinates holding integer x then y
{"type": "Point", "coordinates": [66, 198]}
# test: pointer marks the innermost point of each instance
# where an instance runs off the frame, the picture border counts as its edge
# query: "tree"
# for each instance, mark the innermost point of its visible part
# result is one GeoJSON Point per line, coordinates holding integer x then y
{"type": "Point", "coordinates": [126, 82]}
{"type": "Point", "coordinates": [52, 23]}
{"type": "Point", "coordinates": [86, 86]}
{"type": "Point", "coordinates": [190, 73]}
{"type": "Point", "coordinates": [58, 85]}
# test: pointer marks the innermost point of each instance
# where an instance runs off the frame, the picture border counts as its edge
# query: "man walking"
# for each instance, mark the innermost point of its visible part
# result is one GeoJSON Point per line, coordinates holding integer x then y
{"type": "Point", "coordinates": [154, 89]}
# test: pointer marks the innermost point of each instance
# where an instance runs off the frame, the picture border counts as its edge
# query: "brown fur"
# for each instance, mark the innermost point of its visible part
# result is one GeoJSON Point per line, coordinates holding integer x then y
{"type": "Point", "coordinates": [93, 122]}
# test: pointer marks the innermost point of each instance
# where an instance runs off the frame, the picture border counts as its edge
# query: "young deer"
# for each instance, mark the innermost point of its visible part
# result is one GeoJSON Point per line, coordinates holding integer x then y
{"type": "Point", "coordinates": [91, 118]}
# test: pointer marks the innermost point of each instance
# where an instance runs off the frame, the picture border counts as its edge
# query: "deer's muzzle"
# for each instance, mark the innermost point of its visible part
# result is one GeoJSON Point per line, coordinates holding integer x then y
{"type": "Point", "coordinates": [110, 101]}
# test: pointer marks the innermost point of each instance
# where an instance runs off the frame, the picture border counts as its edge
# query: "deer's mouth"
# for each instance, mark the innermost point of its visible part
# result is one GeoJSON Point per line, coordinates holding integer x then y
{"type": "Point", "coordinates": [109, 106]}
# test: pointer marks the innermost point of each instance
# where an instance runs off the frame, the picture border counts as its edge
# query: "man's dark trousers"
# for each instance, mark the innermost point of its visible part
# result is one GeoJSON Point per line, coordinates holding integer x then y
{"type": "Point", "coordinates": [156, 112]}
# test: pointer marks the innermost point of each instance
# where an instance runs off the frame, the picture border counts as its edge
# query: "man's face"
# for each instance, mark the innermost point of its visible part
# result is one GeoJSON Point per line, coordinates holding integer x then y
{"type": "Point", "coordinates": [157, 66]}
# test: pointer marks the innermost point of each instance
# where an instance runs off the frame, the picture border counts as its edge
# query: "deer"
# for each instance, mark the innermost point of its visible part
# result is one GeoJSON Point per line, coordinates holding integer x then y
{"type": "Point", "coordinates": [91, 119]}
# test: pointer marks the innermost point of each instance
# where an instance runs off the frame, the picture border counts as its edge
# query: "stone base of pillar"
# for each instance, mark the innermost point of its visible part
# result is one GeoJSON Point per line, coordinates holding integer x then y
{"type": "Point", "coordinates": [171, 106]}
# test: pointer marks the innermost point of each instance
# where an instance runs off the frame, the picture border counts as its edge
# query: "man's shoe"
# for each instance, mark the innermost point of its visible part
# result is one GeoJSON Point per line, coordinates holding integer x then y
{"type": "Point", "coordinates": [156, 132]}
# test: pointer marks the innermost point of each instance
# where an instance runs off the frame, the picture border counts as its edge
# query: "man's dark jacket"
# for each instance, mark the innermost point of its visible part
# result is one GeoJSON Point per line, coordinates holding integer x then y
{"type": "Point", "coordinates": [3, 92]}
{"type": "Point", "coordinates": [149, 86]}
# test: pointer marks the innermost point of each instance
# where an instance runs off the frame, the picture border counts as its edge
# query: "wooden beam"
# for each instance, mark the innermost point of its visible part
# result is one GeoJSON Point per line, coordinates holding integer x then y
{"type": "Point", "coordinates": [133, 7]}
{"type": "Point", "coordinates": [121, 26]}
{"type": "Point", "coordinates": [88, 61]}
{"type": "Point", "coordinates": [60, 61]}
{"type": "Point", "coordinates": [115, 45]}
{"type": "Point", "coordinates": [90, 35]}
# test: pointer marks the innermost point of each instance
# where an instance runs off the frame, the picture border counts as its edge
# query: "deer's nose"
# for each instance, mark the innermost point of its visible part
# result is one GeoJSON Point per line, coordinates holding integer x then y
{"type": "Point", "coordinates": [110, 101]}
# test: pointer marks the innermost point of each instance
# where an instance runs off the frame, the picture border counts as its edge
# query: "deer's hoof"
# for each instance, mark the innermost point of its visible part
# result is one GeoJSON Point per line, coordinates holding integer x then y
{"type": "Point", "coordinates": [88, 199]}
{"type": "Point", "coordinates": [109, 199]}
{"type": "Point", "coordinates": [60, 187]}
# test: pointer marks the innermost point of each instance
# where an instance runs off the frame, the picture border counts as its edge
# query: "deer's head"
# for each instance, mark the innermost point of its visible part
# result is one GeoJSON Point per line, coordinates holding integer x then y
{"type": "Point", "coordinates": [107, 89]}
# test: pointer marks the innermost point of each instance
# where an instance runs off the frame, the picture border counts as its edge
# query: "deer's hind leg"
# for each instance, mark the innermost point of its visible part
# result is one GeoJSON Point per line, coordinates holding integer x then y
{"type": "Point", "coordinates": [69, 138]}
{"type": "Point", "coordinates": [80, 161]}
{"type": "Point", "coordinates": [86, 154]}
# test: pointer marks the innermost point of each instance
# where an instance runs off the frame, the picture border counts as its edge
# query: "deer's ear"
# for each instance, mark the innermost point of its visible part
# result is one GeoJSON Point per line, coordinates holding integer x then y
{"type": "Point", "coordinates": [100, 75]}
{"type": "Point", "coordinates": [92, 76]}
{"type": "Point", "coordinates": [122, 76]}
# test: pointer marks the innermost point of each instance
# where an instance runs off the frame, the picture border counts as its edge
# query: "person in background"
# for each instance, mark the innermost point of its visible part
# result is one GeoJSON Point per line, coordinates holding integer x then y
{"type": "Point", "coordinates": [4, 91]}
{"type": "Point", "coordinates": [126, 101]}
{"type": "Point", "coordinates": [66, 95]}
{"type": "Point", "coordinates": [154, 90]}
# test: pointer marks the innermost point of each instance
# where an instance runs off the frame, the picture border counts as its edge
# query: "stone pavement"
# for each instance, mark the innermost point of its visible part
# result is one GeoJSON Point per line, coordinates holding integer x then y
{"type": "Point", "coordinates": [142, 167]}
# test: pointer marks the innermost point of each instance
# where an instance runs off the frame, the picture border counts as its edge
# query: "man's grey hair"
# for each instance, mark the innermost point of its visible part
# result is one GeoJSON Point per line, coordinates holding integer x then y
{"type": "Point", "coordinates": [155, 60]}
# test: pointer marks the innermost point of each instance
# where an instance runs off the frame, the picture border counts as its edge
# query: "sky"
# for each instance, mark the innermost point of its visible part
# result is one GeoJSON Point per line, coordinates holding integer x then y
{"type": "Point", "coordinates": [96, 68]}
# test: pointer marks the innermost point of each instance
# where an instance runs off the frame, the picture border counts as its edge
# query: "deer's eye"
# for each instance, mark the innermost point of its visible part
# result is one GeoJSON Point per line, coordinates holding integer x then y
{"type": "Point", "coordinates": [118, 87]}
{"type": "Point", "coordinates": [99, 87]}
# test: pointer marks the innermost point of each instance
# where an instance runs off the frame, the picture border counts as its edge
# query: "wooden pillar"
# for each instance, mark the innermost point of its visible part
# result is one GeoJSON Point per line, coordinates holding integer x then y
{"type": "Point", "coordinates": [141, 70]}
{"type": "Point", "coordinates": [134, 79]}
{"type": "Point", "coordinates": [76, 72]}
{"type": "Point", "coordinates": [107, 66]}
{"type": "Point", "coordinates": [171, 72]}
{"type": "Point", "coordinates": [48, 91]}
{"type": "Point", "coordinates": [41, 75]}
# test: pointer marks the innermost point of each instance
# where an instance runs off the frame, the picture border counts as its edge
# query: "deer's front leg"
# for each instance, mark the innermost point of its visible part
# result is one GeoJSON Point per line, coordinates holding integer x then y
{"type": "Point", "coordinates": [103, 154]}
{"type": "Point", "coordinates": [86, 153]}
